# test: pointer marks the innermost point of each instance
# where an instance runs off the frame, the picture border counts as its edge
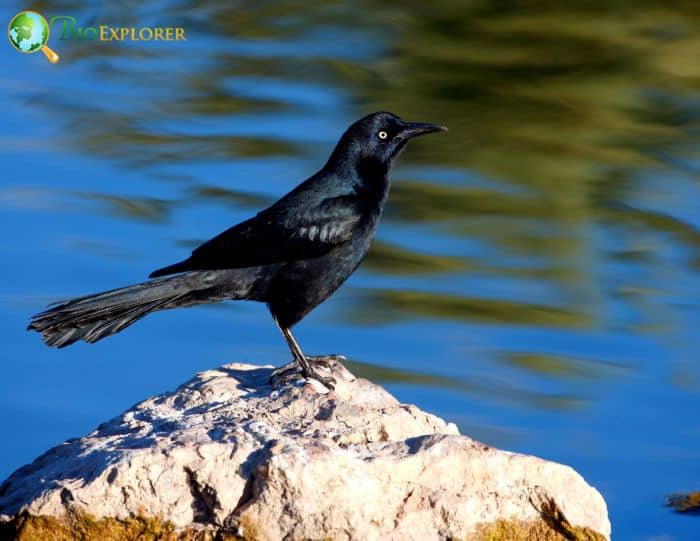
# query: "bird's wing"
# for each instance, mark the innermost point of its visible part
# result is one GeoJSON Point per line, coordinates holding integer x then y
{"type": "Point", "coordinates": [278, 234]}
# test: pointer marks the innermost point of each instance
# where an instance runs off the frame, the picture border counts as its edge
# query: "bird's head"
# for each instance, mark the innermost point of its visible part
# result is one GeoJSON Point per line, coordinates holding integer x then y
{"type": "Point", "coordinates": [376, 140]}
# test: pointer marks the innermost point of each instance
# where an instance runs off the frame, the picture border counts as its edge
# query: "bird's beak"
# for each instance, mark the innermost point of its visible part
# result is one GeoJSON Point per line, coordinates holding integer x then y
{"type": "Point", "coordinates": [414, 129]}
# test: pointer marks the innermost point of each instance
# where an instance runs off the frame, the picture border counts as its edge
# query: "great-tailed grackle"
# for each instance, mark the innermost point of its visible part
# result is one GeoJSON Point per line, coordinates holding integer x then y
{"type": "Point", "coordinates": [293, 255]}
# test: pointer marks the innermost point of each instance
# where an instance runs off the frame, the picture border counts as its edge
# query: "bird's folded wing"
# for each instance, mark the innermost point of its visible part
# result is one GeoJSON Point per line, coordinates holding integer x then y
{"type": "Point", "coordinates": [280, 234]}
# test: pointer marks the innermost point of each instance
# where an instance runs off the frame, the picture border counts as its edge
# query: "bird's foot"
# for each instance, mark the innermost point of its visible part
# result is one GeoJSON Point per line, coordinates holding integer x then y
{"type": "Point", "coordinates": [289, 373]}
{"type": "Point", "coordinates": [328, 381]}
{"type": "Point", "coordinates": [295, 371]}
{"type": "Point", "coordinates": [326, 361]}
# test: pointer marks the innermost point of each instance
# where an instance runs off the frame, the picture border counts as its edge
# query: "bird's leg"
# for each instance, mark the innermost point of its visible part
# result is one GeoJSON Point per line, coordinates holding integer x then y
{"type": "Point", "coordinates": [302, 362]}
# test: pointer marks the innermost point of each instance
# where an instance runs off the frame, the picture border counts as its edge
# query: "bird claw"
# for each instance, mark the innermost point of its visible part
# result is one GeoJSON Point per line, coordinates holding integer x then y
{"type": "Point", "coordinates": [329, 382]}
{"type": "Point", "coordinates": [284, 375]}
{"type": "Point", "coordinates": [292, 372]}
{"type": "Point", "coordinates": [326, 361]}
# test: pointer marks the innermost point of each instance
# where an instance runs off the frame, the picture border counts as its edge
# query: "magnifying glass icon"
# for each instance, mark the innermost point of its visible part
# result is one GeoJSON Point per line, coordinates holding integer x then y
{"type": "Point", "coordinates": [28, 32]}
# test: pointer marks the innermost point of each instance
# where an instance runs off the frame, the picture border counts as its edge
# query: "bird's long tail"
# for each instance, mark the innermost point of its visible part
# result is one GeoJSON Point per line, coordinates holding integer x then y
{"type": "Point", "coordinates": [93, 317]}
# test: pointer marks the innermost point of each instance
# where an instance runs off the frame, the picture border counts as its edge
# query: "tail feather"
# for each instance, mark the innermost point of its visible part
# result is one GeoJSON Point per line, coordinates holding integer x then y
{"type": "Point", "coordinates": [92, 317]}
{"type": "Point", "coordinates": [113, 326]}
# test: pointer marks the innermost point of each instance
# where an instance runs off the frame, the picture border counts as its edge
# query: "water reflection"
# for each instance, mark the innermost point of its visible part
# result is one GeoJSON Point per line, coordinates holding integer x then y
{"type": "Point", "coordinates": [380, 306]}
{"type": "Point", "coordinates": [565, 114]}
{"type": "Point", "coordinates": [551, 239]}
{"type": "Point", "coordinates": [132, 208]}
{"type": "Point", "coordinates": [557, 117]}
{"type": "Point", "coordinates": [487, 387]}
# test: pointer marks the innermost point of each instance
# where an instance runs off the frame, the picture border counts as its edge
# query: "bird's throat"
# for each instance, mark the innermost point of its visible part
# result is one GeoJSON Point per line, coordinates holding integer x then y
{"type": "Point", "coordinates": [372, 171]}
{"type": "Point", "coordinates": [373, 184]}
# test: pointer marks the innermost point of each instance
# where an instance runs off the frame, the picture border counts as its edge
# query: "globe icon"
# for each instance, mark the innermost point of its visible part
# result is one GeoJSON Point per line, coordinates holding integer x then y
{"type": "Point", "coordinates": [28, 32]}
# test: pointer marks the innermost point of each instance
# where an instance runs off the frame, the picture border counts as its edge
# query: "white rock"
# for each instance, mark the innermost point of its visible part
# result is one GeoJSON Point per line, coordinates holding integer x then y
{"type": "Point", "coordinates": [225, 452]}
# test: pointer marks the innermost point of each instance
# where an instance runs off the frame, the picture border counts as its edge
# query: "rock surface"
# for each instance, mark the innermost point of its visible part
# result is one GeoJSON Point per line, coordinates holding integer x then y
{"type": "Point", "coordinates": [226, 452]}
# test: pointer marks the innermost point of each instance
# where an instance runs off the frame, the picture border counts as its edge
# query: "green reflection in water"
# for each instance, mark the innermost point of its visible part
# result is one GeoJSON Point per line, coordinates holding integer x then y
{"type": "Point", "coordinates": [386, 305]}
{"type": "Point", "coordinates": [385, 374]}
{"type": "Point", "coordinates": [139, 148]}
{"type": "Point", "coordinates": [500, 390]}
{"type": "Point", "coordinates": [228, 196]}
{"type": "Point", "coordinates": [557, 108]}
{"type": "Point", "coordinates": [391, 259]}
{"type": "Point", "coordinates": [560, 366]}
{"type": "Point", "coordinates": [133, 208]}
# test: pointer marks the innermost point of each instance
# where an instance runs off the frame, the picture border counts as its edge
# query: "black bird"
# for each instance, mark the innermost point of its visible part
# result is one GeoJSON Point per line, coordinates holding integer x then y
{"type": "Point", "coordinates": [292, 255]}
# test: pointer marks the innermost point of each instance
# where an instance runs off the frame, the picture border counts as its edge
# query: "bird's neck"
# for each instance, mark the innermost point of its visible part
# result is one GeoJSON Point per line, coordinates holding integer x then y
{"type": "Point", "coordinates": [372, 183]}
{"type": "Point", "coordinates": [369, 176]}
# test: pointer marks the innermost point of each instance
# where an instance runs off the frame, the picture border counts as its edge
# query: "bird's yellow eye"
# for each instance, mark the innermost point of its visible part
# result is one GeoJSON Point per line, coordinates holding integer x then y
{"type": "Point", "coordinates": [383, 134]}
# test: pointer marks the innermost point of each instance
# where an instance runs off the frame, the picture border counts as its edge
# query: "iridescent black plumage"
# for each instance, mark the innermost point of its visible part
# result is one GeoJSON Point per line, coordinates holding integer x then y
{"type": "Point", "coordinates": [292, 255]}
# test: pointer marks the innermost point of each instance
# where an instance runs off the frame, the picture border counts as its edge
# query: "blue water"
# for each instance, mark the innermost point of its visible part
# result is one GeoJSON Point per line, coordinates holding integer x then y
{"type": "Point", "coordinates": [535, 277]}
